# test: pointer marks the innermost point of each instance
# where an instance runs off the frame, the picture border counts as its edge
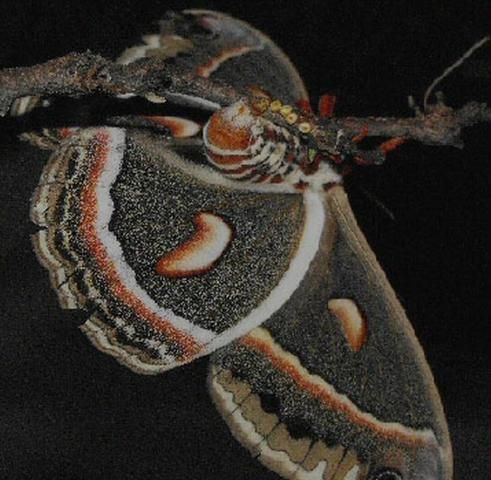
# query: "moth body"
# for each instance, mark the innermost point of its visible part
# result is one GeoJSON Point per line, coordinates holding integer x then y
{"type": "Point", "coordinates": [272, 145]}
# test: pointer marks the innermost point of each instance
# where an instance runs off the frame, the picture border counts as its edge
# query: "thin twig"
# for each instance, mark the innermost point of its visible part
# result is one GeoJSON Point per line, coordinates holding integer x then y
{"type": "Point", "coordinates": [452, 67]}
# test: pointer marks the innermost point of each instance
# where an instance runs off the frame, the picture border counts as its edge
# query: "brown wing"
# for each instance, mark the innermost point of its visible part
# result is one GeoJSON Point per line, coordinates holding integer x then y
{"type": "Point", "coordinates": [172, 260]}
{"type": "Point", "coordinates": [217, 46]}
{"type": "Point", "coordinates": [335, 385]}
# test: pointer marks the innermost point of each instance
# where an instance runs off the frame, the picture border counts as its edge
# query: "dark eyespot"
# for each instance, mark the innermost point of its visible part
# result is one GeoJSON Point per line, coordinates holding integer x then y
{"type": "Point", "coordinates": [298, 428]}
{"type": "Point", "coordinates": [269, 403]}
{"type": "Point", "coordinates": [386, 475]}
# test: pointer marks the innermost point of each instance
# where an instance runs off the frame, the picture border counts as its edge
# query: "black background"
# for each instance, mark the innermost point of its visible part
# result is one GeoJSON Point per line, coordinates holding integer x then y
{"type": "Point", "coordinates": [70, 412]}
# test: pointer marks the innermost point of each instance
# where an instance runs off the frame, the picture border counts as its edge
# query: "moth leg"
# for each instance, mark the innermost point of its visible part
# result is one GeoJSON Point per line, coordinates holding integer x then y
{"type": "Point", "coordinates": [377, 155]}
{"type": "Point", "coordinates": [47, 138]}
{"type": "Point", "coordinates": [326, 105]}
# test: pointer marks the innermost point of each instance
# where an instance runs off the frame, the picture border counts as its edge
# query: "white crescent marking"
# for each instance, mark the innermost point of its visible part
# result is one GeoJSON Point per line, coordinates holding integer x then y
{"type": "Point", "coordinates": [355, 327]}
{"type": "Point", "coordinates": [197, 254]}
{"type": "Point", "coordinates": [180, 127]}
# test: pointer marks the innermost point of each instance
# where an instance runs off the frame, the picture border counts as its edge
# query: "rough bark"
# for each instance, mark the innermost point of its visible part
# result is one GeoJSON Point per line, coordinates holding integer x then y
{"type": "Point", "coordinates": [78, 74]}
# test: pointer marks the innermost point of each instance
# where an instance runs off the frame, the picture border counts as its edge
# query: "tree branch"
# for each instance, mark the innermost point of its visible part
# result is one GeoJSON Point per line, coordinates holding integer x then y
{"type": "Point", "coordinates": [78, 74]}
{"type": "Point", "coordinates": [440, 125]}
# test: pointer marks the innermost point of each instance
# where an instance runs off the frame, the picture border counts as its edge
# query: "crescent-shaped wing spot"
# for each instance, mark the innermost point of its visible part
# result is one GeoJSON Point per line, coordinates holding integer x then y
{"type": "Point", "coordinates": [354, 326]}
{"type": "Point", "coordinates": [199, 253]}
{"type": "Point", "coordinates": [179, 127]}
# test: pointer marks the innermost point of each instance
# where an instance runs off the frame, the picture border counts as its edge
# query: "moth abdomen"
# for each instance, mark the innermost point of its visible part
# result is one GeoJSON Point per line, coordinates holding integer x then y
{"type": "Point", "coordinates": [267, 144]}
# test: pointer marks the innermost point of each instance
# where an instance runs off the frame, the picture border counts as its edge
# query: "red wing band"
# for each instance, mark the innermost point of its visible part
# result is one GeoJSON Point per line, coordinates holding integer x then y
{"type": "Point", "coordinates": [261, 341]}
{"type": "Point", "coordinates": [104, 151]}
{"type": "Point", "coordinates": [108, 251]}
{"type": "Point", "coordinates": [97, 207]}
{"type": "Point", "coordinates": [179, 127]}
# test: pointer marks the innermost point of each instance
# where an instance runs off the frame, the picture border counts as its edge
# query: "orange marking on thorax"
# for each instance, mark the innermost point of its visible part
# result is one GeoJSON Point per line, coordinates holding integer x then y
{"type": "Point", "coordinates": [223, 134]}
{"type": "Point", "coordinates": [65, 132]}
{"type": "Point", "coordinates": [229, 160]}
{"type": "Point", "coordinates": [88, 231]}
